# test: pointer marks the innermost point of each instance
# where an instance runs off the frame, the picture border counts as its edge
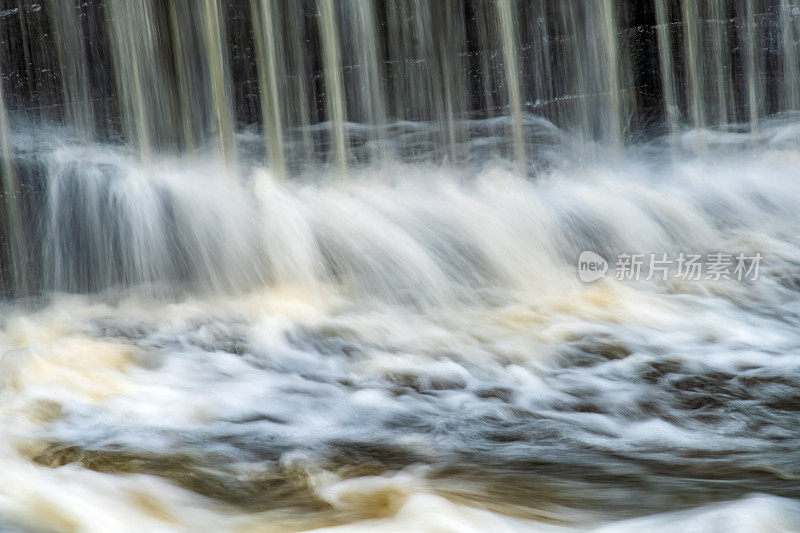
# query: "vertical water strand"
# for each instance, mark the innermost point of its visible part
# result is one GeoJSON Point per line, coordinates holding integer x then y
{"type": "Point", "coordinates": [43, 90]}
{"type": "Point", "coordinates": [215, 54]}
{"type": "Point", "coordinates": [366, 86]}
{"type": "Point", "coordinates": [11, 219]}
{"type": "Point", "coordinates": [488, 92]}
{"type": "Point", "coordinates": [296, 86]}
{"type": "Point", "coordinates": [790, 99]}
{"type": "Point", "coordinates": [721, 61]}
{"type": "Point", "coordinates": [572, 72]}
{"type": "Point", "coordinates": [334, 94]}
{"type": "Point", "coordinates": [457, 86]}
{"type": "Point", "coordinates": [396, 51]}
{"type": "Point", "coordinates": [72, 61]}
{"type": "Point", "coordinates": [183, 47]}
{"type": "Point", "coordinates": [600, 65]}
{"type": "Point", "coordinates": [372, 58]}
{"type": "Point", "coordinates": [667, 68]}
{"type": "Point", "coordinates": [578, 42]}
{"type": "Point", "coordinates": [691, 36]}
{"type": "Point", "coordinates": [543, 90]}
{"type": "Point", "coordinates": [447, 73]}
{"type": "Point", "coordinates": [612, 45]}
{"type": "Point", "coordinates": [487, 84]}
{"type": "Point", "coordinates": [512, 74]}
{"type": "Point", "coordinates": [751, 67]}
{"type": "Point", "coordinates": [30, 79]}
{"type": "Point", "coordinates": [422, 30]}
{"type": "Point", "coordinates": [410, 53]}
{"type": "Point", "coordinates": [267, 62]}
{"type": "Point", "coordinates": [441, 72]}
{"type": "Point", "coordinates": [133, 43]}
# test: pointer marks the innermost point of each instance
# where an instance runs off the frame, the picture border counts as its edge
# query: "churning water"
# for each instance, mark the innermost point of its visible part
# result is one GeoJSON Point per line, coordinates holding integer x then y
{"type": "Point", "coordinates": [292, 265]}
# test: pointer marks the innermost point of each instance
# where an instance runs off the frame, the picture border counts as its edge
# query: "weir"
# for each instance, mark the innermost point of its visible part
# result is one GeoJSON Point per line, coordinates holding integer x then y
{"type": "Point", "coordinates": [300, 87]}
{"type": "Point", "coordinates": [399, 265]}
{"type": "Point", "coordinates": [182, 74]}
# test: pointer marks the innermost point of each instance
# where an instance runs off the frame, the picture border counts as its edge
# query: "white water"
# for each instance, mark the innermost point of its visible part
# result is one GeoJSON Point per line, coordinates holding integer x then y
{"type": "Point", "coordinates": [410, 352]}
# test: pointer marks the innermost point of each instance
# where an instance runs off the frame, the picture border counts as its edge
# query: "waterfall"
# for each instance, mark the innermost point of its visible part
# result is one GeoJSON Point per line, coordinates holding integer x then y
{"type": "Point", "coordinates": [268, 80]}
{"type": "Point", "coordinates": [789, 19]}
{"type": "Point", "coordinates": [334, 92]}
{"type": "Point", "coordinates": [338, 84]}
{"type": "Point", "coordinates": [753, 68]}
{"type": "Point", "coordinates": [667, 68]}
{"type": "Point", "coordinates": [181, 76]}
{"type": "Point", "coordinates": [68, 28]}
{"type": "Point", "coordinates": [399, 265]}
{"type": "Point", "coordinates": [512, 80]}
{"type": "Point", "coordinates": [13, 277]}
{"type": "Point", "coordinates": [694, 64]}
{"type": "Point", "coordinates": [720, 62]}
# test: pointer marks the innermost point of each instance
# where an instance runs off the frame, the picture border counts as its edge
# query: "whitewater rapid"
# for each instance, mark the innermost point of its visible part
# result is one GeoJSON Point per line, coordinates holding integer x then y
{"type": "Point", "coordinates": [409, 350]}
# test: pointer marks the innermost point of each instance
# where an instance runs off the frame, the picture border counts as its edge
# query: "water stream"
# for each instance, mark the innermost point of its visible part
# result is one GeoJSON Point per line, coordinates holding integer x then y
{"type": "Point", "coordinates": [289, 265]}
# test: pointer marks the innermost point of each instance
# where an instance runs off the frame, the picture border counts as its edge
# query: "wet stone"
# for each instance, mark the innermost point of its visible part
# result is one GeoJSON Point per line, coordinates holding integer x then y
{"type": "Point", "coordinates": [593, 350]}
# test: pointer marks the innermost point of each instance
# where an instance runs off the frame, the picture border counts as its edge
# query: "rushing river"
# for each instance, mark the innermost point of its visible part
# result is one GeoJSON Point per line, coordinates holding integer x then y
{"type": "Point", "coordinates": [399, 265]}
{"type": "Point", "coordinates": [418, 353]}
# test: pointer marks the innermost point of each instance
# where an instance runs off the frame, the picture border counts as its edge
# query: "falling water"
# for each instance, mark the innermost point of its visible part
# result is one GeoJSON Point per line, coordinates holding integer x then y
{"type": "Point", "coordinates": [667, 68]}
{"type": "Point", "coordinates": [790, 16]}
{"type": "Point", "coordinates": [614, 71]}
{"type": "Point", "coordinates": [720, 61]}
{"type": "Point", "coordinates": [334, 93]}
{"type": "Point", "coordinates": [145, 111]}
{"type": "Point", "coordinates": [755, 93]}
{"type": "Point", "coordinates": [512, 80]}
{"type": "Point", "coordinates": [298, 264]}
{"type": "Point", "coordinates": [67, 25]}
{"type": "Point", "coordinates": [266, 44]}
{"type": "Point", "coordinates": [13, 278]}
{"type": "Point", "coordinates": [216, 52]}
{"type": "Point", "coordinates": [185, 76]}
{"type": "Point", "coordinates": [694, 64]}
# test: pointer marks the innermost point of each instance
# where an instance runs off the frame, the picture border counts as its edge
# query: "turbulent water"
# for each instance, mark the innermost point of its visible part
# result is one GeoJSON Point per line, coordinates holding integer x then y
{"type": "Point", "coordinates": [411, 350]}
{"type": "Point", "coordinates": [289, 265]}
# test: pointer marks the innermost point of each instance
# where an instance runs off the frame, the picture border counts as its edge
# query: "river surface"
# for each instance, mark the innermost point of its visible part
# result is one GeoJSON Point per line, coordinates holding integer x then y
{"type": "Point", "coordinates": [412, 349]}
